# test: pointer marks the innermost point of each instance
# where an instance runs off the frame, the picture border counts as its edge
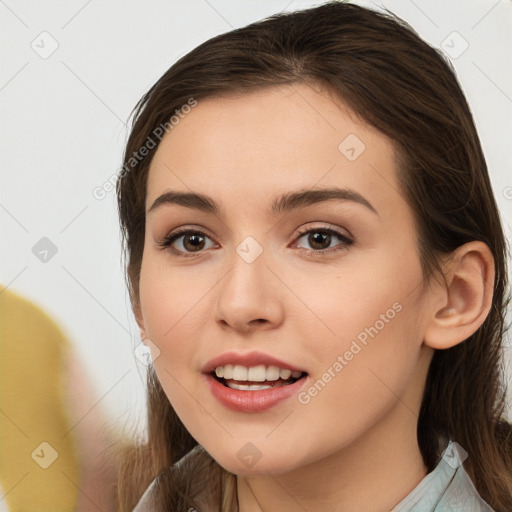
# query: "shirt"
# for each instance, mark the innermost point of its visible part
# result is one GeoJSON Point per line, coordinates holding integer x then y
{"type": "Point", "coordinates": [447, 488]}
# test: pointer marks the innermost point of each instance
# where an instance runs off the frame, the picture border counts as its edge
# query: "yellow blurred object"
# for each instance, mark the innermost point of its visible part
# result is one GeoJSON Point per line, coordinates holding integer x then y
{"type": "Point", "coordinates": [39, 468]}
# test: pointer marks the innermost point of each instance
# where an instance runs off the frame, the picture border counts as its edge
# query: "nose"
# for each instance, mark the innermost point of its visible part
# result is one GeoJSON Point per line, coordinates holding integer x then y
{"type": "Point", "coordinates": [249, 297]}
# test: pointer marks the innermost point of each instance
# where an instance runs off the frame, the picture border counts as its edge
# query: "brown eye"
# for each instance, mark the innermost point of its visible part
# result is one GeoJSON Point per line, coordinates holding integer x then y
{"type": "Point", "coordinates": [185, 242]}
{"type": "Point", "coordinates": [193, 242]}
{"type": "Point", "coordinates": [320, 239]}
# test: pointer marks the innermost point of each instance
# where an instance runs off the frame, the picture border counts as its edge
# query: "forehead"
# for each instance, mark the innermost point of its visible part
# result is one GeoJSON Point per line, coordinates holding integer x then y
{"type": "Point", "coordinates": [266, 141]}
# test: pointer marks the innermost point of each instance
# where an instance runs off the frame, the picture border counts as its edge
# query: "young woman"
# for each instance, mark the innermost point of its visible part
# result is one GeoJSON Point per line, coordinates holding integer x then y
{"type": "Point", "coordinates": [316, 262]}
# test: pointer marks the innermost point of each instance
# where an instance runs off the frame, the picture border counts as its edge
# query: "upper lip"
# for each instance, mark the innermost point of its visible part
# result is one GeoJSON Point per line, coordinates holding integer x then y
{"type": "Point", "coordinates": [248, 359]}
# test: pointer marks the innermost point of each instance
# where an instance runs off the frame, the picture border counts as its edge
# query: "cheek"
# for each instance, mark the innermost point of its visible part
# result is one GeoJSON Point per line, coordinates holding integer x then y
{"type": "Point", "coordinates": [172, 303]}
{"type": "Point", "coordinates": [370, 333]}
{"type": "Point", "coordinates": [169, 301]}
{"type": "Point", "coordinates": [359, 383]}
{"type": "Point", "coordinates": [363, 293]}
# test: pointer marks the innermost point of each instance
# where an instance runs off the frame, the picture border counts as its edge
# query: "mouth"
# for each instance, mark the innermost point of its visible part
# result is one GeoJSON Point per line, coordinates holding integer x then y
{"type": "Point", "coordinates": [255, 378]}
{"type": "Point", "coordinates": [252, 382]}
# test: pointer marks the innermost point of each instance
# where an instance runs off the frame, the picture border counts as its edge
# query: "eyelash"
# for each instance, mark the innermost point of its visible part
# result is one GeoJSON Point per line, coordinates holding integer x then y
{"type": "Point", "coordinates": [167, 240]}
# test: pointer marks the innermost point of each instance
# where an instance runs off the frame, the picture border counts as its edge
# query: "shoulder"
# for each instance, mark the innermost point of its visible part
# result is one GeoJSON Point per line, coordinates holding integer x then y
{"type": "Point", "coordinates": [146, 501]}
{"type": "Point", "coordinates": [191, 461]}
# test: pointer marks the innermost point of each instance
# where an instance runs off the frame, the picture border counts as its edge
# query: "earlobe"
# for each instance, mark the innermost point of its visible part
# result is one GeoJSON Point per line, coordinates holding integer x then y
{"type": "Point", "coordinates": [460, 307]}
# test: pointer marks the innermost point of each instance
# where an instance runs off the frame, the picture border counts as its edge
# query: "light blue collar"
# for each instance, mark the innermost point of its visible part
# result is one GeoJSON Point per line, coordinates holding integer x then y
{"type": "Point", "coordinates": [447, 488]}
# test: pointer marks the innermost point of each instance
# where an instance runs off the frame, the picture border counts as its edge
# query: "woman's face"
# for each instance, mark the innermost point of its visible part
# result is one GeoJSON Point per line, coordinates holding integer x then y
{"type": "Point", "coordinates": [245, 293]}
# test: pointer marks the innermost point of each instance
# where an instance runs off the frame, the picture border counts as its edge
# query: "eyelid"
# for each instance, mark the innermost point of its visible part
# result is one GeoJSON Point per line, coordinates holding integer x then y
{"type": "Point", "coordinates": [341, 232]}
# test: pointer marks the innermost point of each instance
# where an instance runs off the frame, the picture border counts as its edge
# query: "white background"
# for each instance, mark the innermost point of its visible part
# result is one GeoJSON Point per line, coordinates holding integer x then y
{"type": "Point", "coordinates": [63, 130]}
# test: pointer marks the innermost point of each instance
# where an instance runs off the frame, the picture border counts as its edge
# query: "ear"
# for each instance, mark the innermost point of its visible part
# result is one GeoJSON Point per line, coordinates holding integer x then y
{"type": "Point", "coordinates": [459, 307]}
{"type": "Point", "coordinates": [137, 311]}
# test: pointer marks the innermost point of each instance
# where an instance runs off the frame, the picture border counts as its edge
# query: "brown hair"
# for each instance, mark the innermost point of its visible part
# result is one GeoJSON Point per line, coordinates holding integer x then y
{"type": "Point", "coordinates": [377, 64]}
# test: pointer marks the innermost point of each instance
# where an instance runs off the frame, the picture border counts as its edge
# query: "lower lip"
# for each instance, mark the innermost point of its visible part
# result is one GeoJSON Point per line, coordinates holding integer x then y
{"type": "Point", "coordinates": [252, 401]}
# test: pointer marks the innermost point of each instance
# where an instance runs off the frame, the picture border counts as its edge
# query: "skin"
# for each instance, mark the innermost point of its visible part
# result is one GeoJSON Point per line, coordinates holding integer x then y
{"type": "Point", "coordinates": [353, 447]}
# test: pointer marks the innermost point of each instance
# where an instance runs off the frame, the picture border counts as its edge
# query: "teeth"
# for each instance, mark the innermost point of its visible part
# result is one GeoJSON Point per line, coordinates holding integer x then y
{"type": "Point", "coordinates": [272, 373]}
{"type": "Point", "coordinates": [228, 371]}
{"type": "Point", "coordinates": [260, 373]}
{"type": "Point", "coordinates": [248, 387]}
{"type": "Point", "coordinates": [239, 372]}
{"type": "Point", "coordinates": [256, 373]}
{"type": "Point", "coordinates": [285, 374]}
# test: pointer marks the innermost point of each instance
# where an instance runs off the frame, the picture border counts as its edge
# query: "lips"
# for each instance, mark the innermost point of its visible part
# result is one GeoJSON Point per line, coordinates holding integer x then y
{"type": "Point", "coordinates": [252, 382]}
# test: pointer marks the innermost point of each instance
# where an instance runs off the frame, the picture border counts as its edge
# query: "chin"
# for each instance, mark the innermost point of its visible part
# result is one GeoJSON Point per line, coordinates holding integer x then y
{"type": "Point", "coordinates": [257, 466]}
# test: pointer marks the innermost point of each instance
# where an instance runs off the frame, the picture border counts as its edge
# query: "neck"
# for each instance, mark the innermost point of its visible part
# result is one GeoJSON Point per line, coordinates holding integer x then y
{"type": "Point", "coordinates": [371, 474]}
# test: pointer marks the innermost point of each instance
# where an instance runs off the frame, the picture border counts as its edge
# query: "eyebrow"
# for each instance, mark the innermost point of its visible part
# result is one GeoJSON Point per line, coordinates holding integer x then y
{"type": "Point", "coordinates": [282, 203]}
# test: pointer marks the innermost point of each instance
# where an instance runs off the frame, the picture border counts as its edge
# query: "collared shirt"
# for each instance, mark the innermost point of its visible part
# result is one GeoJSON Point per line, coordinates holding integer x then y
{"type": "Point", "coordinates": [447, 488]}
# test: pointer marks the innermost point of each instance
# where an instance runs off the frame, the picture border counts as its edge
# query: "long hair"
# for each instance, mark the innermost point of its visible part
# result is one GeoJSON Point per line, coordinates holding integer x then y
{"type": "Point", "coordinates": [394, 81]}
